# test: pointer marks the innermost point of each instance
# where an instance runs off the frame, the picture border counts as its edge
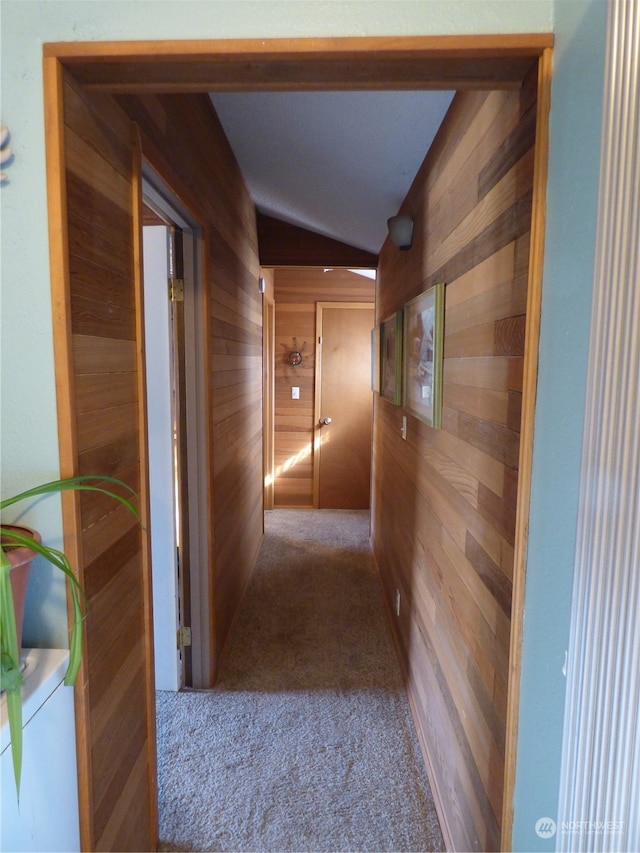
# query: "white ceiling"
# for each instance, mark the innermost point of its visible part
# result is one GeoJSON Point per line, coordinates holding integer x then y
{"type": "Point", "coordinates": [337, 163]}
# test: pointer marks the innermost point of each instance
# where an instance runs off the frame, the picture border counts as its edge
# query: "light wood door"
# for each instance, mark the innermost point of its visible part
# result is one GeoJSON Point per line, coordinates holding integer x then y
{"type": "Point", "coordinates": [342, 464]}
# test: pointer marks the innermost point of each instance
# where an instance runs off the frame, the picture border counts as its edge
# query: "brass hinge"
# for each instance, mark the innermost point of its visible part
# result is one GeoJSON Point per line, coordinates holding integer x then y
{"type": "Point", "coordinates": [176, 290]}
{"type": "Point", "coordinates": [184, 637]}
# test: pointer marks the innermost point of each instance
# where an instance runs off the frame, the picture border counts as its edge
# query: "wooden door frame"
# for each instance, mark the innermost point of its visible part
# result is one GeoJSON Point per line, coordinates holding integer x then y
{"type": "Point", "coordinates": [159, 175]}
{"type": "Point", "coordinates": [167, 192]}
{"type": "Point", "coordinates": [268, 395]}
{"type": "Point", "coordinates": [486, 62]}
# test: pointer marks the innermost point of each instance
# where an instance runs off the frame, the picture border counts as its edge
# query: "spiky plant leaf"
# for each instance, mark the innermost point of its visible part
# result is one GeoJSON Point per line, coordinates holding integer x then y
{"type": "Point", "coordinates": [11, 674]}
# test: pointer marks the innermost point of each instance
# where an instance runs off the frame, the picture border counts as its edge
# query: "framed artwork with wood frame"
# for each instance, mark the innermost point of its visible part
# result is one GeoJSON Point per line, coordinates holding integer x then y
{"type": "Point", "coordinates": [423, 355]}
{"type": "Point", "coordinates": [391, 358]}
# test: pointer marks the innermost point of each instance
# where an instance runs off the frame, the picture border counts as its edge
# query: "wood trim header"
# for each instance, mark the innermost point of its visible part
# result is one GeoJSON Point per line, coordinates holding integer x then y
{"type": "Point", "coordinates": [415, 62]}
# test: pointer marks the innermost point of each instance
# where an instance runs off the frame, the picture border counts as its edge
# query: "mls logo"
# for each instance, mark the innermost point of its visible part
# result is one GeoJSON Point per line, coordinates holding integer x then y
{"type": "Point", "coordinates": [545, 827]}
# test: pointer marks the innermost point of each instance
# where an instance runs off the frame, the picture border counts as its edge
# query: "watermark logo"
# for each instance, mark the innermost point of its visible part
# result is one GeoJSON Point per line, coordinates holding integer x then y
{"type": "Point", "coordinates": [545, 827]}
{"type": "Point", "coordinates": [585, 828]}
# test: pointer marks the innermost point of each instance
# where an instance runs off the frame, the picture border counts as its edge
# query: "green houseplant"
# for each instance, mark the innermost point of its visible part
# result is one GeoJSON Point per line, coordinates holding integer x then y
{"type": "Point", "coordinates": [11, 678]}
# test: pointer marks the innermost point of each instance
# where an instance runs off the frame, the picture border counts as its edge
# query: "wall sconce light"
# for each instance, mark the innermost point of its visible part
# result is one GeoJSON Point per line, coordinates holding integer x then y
{"type": "Point", "coordinates": [401, 231]}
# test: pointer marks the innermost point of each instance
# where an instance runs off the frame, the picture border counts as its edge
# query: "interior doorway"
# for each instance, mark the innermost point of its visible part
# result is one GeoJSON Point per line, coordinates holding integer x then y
{"type": "Point", "coordinates": [173, 349]}
{"type": "Point", "coordinates": [75, 72]}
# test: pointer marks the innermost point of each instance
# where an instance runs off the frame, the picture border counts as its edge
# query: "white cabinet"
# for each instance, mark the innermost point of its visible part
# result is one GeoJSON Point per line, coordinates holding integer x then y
{"type": "Point", "coordinates": [47, 817]}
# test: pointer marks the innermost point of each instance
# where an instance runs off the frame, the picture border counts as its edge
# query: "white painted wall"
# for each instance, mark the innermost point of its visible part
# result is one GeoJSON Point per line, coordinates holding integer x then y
{"type": "Point", "coordinates": [161, 484]}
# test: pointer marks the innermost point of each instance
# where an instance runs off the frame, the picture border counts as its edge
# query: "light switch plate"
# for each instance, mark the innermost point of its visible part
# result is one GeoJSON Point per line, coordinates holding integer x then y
{"type": "Point", "coordinates": [295, 392]}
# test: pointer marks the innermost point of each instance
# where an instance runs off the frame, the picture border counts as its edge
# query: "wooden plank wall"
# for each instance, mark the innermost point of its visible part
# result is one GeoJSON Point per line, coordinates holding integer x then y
{"type": "Point", "coordinates": [296, 292]}
{"type": "Point", "coordinates": [444, 501]}
{"type": "Point", "coordinates": [117, 737]}
{"type": "Point", "coordinates": [187, 134]}
{"type": "Point", "coordinates": [285, 245]}
{"type": "Point", "coordinates": [115, 692]}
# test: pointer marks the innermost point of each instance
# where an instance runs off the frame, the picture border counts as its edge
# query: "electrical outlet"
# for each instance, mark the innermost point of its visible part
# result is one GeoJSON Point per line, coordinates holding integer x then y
{"type": "Point", "coordinates": [397, 602]}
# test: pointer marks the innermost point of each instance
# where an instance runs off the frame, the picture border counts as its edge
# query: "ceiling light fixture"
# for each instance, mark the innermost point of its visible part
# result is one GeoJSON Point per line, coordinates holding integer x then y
{"type": "Point", "coordinates": [401, 231]}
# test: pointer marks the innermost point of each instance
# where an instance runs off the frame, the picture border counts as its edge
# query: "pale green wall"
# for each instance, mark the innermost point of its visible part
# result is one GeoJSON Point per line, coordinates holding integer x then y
{"type": "Point", "coordinates": [29, 435]}
{"type": "Point", "coordinates": [574, 146]}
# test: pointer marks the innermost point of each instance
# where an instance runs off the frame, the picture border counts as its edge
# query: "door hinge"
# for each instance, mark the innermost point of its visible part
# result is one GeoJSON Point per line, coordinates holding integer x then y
{"type": "Point", "coordinates": [184, 637]}
{"type": "Point", "coordinates": [176, 290]}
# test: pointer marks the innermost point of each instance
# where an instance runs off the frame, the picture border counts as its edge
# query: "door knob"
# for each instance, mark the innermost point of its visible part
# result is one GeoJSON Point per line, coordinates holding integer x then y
{"type": "Point", "coordinates": [326, 421]}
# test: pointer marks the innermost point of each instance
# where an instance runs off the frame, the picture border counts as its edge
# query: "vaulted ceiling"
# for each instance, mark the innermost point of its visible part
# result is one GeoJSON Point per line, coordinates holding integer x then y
{"type": "Point", "coordinates": [336, 163]}
{"type": "Point", "coordinates": [329, 133]}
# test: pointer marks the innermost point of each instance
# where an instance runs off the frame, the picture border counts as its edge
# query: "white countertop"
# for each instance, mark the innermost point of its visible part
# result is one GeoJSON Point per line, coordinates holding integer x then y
{"type": "Point", "coordinates": [45, 669]}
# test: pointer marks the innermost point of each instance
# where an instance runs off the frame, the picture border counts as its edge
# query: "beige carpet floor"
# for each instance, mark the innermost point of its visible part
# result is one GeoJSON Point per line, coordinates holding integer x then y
{"type": "Point", "coordinates": [306, 743]}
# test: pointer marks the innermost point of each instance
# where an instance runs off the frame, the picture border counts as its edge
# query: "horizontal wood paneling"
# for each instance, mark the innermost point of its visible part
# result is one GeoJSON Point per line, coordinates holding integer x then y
{"type": "Point", "coordinates": [185, 132]}
{"type": "Point", "coordinates": [282, 244]}
{"type": "Point", "coordinates": [115, 725]}
{"type": "Point", "coordinates": [444, 500]}
{"type": "Point", "coordinates": [105, 398]}
{"type": "Point", "coordinates": [202, 162]}
{"type": "Point", "coordinates": [296, 292]}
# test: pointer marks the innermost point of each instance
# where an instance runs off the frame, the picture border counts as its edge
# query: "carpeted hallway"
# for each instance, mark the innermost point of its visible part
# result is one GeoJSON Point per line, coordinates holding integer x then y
{"type": "Point", "coordinates": [306, 743]}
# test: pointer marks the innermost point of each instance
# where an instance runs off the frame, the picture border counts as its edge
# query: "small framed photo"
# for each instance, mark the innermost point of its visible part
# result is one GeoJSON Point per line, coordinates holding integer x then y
{"type": "Point", "coordinates": [423, 355]}
{"type": "Point", "coordinates": [391, 358]}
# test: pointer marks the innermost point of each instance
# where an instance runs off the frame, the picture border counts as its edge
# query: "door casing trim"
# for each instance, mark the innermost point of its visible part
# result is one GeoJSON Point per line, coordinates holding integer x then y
{"type": "Point", "coordinates": [438, 62]}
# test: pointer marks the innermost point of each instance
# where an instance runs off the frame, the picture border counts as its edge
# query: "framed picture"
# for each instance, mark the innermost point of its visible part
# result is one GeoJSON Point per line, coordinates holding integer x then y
{"type": "Point", "coordinates": [423, 352]}
{"type": "Point", "coordinates": [391, 358]}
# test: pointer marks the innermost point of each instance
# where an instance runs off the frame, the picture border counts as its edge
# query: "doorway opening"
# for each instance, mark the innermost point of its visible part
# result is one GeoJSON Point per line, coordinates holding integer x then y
{"type": "Point", "coordinates": [174, 339]}
{"type": "Point", "coordinates": [321, 373]}
{"type": "Point", "coordinates": [83, 70]}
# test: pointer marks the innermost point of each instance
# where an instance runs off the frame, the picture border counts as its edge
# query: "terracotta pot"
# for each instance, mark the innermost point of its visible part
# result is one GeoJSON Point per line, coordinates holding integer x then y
{"type": "Point", "coordinates": [20, 558]}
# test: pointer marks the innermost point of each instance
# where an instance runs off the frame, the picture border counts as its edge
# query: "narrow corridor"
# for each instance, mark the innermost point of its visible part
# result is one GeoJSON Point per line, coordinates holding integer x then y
{"type": "Point", "coordinates": [307, 742]}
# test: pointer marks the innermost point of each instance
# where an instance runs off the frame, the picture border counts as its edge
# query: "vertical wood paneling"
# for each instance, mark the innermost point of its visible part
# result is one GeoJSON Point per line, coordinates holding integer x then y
{"type": "Point", "coordinates": [297, 290]}
{"type": "Point", "coordinates": [444, 500]}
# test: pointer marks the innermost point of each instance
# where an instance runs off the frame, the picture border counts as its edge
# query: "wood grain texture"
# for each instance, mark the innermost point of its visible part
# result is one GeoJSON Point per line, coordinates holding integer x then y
{"type": "Point", "coordinates": [524, 377]}
{"type": "Point", "coordinates": [199, 164]}
{"type": "Point", "coordinates": [101, 387]}
{"type": "Point", "coordinates": [297, 290]}
{"type": "Point", "coordinates": [444, 508]}
{"type": "Point", "coordinates": [470, 796]}
{"type": "Point", "coordinates": [342, 448]}
{"type": "Point", "coordinates": [65, 398]}
{"type": "Point", "coordinates": [95, 189]}
{"type": "Point", "coordinates": [451, 62]}
{"type": "Point", "coordinates": [282, 244]}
